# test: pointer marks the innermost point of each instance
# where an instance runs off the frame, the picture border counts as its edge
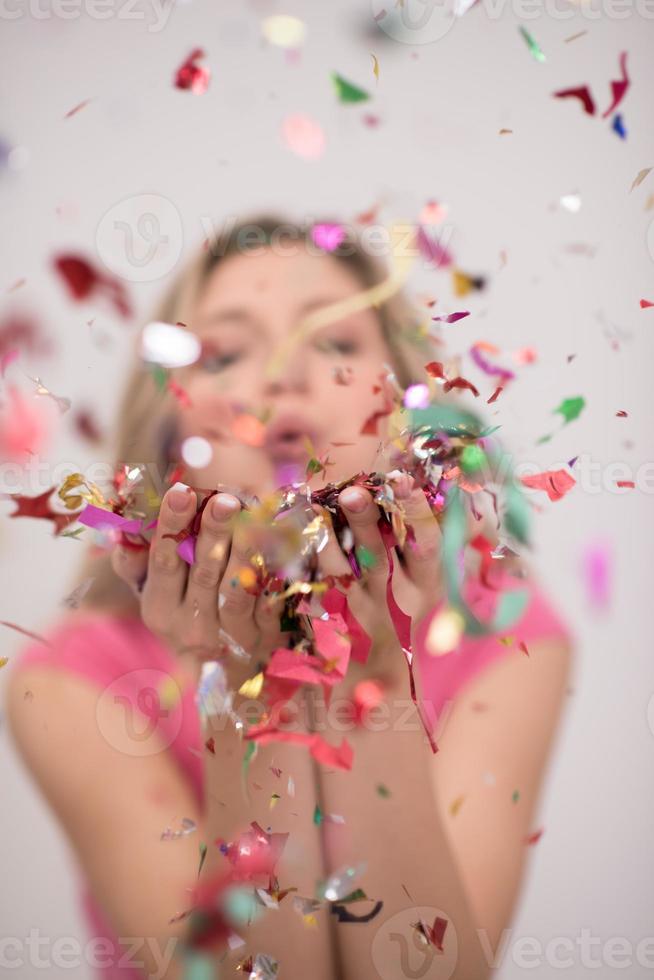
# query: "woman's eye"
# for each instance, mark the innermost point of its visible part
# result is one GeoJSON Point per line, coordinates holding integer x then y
{"type": "Point", "coordinates": [337, 346]}
{"type": "Point", "coordinates": [218, 362]}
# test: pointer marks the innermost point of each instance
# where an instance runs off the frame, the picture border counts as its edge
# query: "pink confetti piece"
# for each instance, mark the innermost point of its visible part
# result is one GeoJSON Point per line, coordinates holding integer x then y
{"type": "Point", "coordinates": [106, 520]}
{"type": "Point", "coordinates": [452, 317]}
{"type": "Point", "coordinates": [8, 359]}
{"type": "Point", "coordinates": [555, 483]}
{"type": "Point", "coordinates": [596, 566]}
{"type": "Point", "coordinates": [328, 236]}
{"type": "Point", "coordinates": [431, 250]}
{"type": "Point", "coordinates": [303, 136]}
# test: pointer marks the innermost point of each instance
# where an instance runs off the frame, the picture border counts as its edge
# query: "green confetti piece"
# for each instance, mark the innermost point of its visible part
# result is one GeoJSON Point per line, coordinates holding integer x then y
{"type": "Point", "coordinates": [249, 752]}
{"type": "Point", "coordinates": [358, 895]}
{"type": "Point", "coordinates": [516, 795]}
{"type": "Point", "coordinates": [160, 376]}
{"type": "Point", "coordinates": [203, 854]}
{"type": "Point", "coordinates": [317, 816]}
{"type": "Point", "coordinates": [313, 466]}
{"type": "Point", "coordinates": [472, 458]}
{"type": "Point", "coordinates": [346, 91]}
{"type": "Point", "coordinates": [533, 46]}
{"type": "Point", "coordinates": [516, 515]}
{"type": "Point", "coordinates": [73, 534]}
{"type": "Point", "coordinates": [383, 791]}
{"type": "Point", "coordinates": [571, 408]}
{"type": "Point", "coordinates": [365, 557]}
{"type": "Point", "coordinates": [510, 604]}
{"type": "Point", "coordinates": [198, 966]}
{"type": "Point", "coordinates": [445, 418]}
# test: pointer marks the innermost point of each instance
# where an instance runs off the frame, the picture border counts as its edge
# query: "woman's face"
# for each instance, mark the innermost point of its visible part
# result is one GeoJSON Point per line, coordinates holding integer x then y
{"type": "Point", "coordinates": [326, 389]}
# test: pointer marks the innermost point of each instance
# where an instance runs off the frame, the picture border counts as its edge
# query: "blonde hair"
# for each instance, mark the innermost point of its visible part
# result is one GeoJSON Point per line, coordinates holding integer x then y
{"type": "Point", "coordinates": [146, 415]}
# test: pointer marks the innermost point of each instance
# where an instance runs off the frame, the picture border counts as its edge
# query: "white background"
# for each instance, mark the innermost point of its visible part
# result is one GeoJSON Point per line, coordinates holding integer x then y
{"type": "Point", "coordinates": [441, 106]}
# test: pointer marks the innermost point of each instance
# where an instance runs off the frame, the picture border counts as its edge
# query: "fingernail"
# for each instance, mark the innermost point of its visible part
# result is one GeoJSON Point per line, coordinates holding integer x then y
{"type": "Point", "coordinates": [223, 505]}
{"type": "Point", "coordinates": [179, 497]}
{"type": "Point", "coordinates": [354, 500]}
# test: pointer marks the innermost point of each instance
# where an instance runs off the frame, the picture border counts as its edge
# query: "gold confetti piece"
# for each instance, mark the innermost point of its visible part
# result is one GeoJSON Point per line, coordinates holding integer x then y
{"type": "Point", "coordinates": [639, 178]}
{"type": "Point", "coordinates": [375, 66]}
{"type": "Point", "coordinates": [247, 577]}
{"type": "Point", "coordinates": [274, 800]}
{"type": "Point", "coordinates": [505, 132]}
{"type": "Point", "coordinates": [649, 203]}
{"type": "Point", "coordinates": [283, 30]}
{"type": "Point", "coordinates": [445, 631]}
{"type": "Point", "coordinates": [456, 805]}
{"type": "Point", "coordinates": [169, 693]}
{"type": "Point", "coordinates": [251, 688]}
{"type": "Point", "coordinates": [403, 256]}
{"type": "Point", "coordinates": [4, 661]}
{"type": "Point", "coordinates": [573, 37]}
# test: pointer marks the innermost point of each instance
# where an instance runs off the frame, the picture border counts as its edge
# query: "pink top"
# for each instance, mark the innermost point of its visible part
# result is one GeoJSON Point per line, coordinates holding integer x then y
{"type": "Point", "coordinates": [123, 653]}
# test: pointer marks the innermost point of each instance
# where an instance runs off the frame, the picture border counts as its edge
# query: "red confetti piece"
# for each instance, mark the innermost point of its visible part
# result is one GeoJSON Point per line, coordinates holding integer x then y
{"type": "Point", "coordinates": [452, 317]}
{"type": "Point", "coordinates": [191, 76]}
{"type": "Point", "coordinates": [210, 745]}
{"type": "Point", "coordinates": [496, 394]}
{"type": "Point", "coordinates": [582, 93]}
{"type": "Point", "coordinates": [535, 837]}
{"type": "Point", "coordinates": [555, 483]}
{"type": "Point", "coordinates": [340, 756]}
{"type": "Point", "coordinates": [621, 414]}
{"type": "Point", "coordinates": [40, 507]}
{"type": "Point", "coordinates": [20, 629]}
{"type": "Point", "coordinates": [645, 304]}
{"type": "Point", "coordinates": [179, 393]}
{"type": "Point", "coordinates": [626, 483]}
{"type": "Point", "coordinates": [77, 108]}
{"type": "Point", "coordinates": [619, 87]}
{"type": "Point", "coordinates": [84, 281]}
{"type": "Point", "coordinates": [369, 427]}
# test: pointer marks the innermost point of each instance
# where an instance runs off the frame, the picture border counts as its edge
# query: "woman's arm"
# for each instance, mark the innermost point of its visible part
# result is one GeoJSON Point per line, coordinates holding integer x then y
{"type": "Point", "coordinates": [113, 806]}
{"type": "Point", "coordinates": [494, 748]}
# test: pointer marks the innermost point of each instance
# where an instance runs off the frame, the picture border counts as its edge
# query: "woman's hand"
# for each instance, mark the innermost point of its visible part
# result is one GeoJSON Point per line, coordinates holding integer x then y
{"type": "Point", "coordinates": [417, 587]}
{"type": "Point", "coordinates": [186, 606]}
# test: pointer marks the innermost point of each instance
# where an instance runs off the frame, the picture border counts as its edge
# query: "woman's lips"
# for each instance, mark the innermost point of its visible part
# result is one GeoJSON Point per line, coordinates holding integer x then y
{"type": "Point", "coordinates": [289, 448]}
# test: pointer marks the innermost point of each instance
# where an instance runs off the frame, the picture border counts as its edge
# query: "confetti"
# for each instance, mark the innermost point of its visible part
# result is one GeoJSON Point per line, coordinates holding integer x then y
{"type": "Point", "coordinates": [533, 46]}
{"type": "Point", "coordinates": [375, 67]}
{"type": "Point", "coordinates": [582, 93]}
{"type": "Point", "coordinates": [28, 633]}
{"type": "Point", "coordinates": [555, 483]}
{"type": "Point", "coordinates": [328, 236]}
{"type": "Point", "coordinates": [40, 507]}
{"type": "Point", "coordinates": [284, 31]}
{"type": "Point", "coordinates": [639, 178]}
{"type": "Point", "coordinates": [620, 87]}
{"type": "Point", "coordinates": [452, 317]}
{"type": "Point", "coordinates": [596, 569]}
{"type": "Point", "coordinates": [645, 304]}
{"type": "Point", "coordinates": [303, 136]}
{"type": "Point", "coordinates": [431, 250]}
{"type": "Point", "coordinates": [84, 282]}
{"type": "Point", "coordinates": [346, 91]}
{"type": "Point", "coordinates": [77, 108]}
{"type": "Point", "coordinates": [193, 77]}
{"type": "Point", "coordinates": [534, 837]}
{"type": "Point", "coordinates": [618, 126]}
{"type": "Point", "coordinates": [456, 805]}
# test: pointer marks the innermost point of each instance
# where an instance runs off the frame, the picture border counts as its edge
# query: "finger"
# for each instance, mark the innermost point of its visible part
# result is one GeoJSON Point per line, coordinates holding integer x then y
{"type": "Point", "coordinates": [164, 588]}
{"type": "Point", "coordinates": [211, 557]}
{"type": "Point", "coordinates": [130, 566]}
{"type": "Point", "coordinates": [267, 616]}
{"type": "Point", "coordinates": [332, 561]}
{"type": "Point", "coordinates": [422, 549]}
{"type": "Point", "coordinates": [236, 604]}
{"type": "Point", "coordinates": [362, 515]}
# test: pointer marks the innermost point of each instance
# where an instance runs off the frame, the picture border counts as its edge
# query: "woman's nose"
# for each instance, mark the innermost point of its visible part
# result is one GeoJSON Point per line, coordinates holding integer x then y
{"type": "Point", "coordinates": [289, 372]}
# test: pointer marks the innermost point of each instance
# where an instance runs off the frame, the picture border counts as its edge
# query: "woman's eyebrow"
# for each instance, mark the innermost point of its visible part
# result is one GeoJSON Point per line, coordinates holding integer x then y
{"type": "Point", "coordinates": [234, 314]}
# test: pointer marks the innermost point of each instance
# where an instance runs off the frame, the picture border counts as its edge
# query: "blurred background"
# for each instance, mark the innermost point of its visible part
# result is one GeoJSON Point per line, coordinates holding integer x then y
{"type": "Point", "coordinates": [103, 157]}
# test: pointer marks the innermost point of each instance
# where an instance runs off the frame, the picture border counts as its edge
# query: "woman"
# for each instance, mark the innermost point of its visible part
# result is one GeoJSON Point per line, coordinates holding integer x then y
{"type": "Point", "coordinates": [443, 837]}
